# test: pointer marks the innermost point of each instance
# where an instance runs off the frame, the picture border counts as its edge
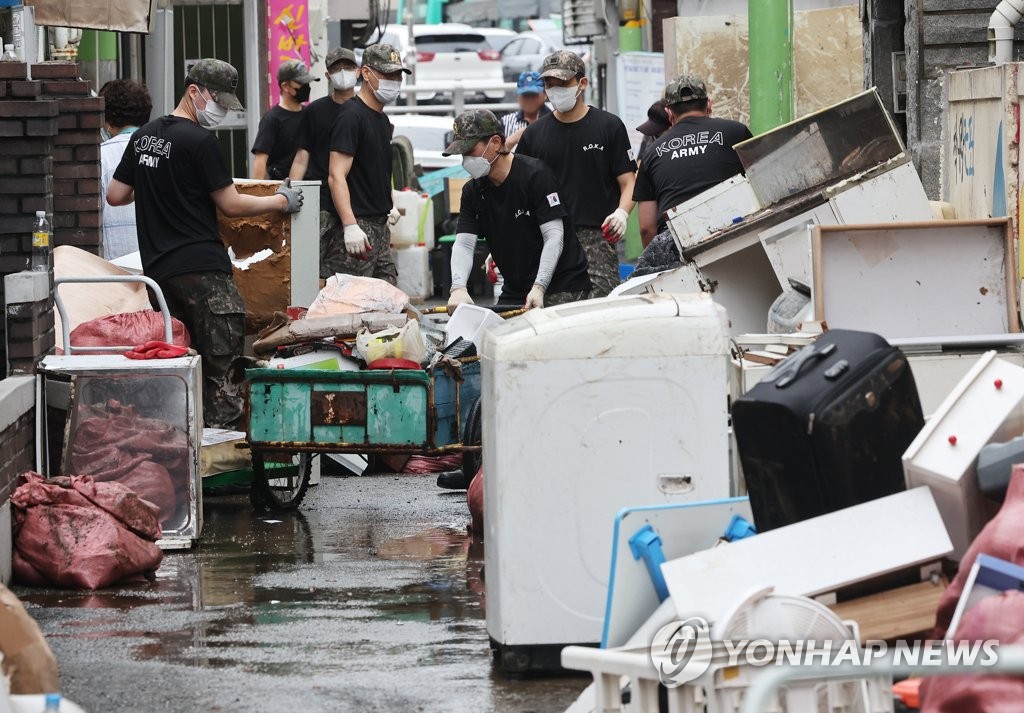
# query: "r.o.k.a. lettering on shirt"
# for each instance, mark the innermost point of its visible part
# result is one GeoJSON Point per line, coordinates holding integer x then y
{"type": "Point", "coordinates": [521, 212]}
{"type": "Point", "coordinates": [690, 144]}
{"type": "Point", "coordinates": [590, 147]}
{"type": "Point", "coordinates": [150, 149]}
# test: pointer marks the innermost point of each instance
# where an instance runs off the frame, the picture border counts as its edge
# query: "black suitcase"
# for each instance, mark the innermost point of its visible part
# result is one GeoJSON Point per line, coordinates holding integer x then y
{"type": "Point", "coordinates": [826, 429]}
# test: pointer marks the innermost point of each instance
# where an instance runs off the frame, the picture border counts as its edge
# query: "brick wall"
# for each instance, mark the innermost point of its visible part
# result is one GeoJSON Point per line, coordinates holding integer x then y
{"type": "Point", "coordinates": [49, 160]}
{"type": "Point", "coordinates": [29, 317]}
{"type": "Point", "coordinates": [17, 431]}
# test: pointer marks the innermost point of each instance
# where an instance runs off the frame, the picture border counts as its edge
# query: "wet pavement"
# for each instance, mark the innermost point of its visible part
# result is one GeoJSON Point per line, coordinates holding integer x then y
{"type": "Point", "coordinates": [368, 599]}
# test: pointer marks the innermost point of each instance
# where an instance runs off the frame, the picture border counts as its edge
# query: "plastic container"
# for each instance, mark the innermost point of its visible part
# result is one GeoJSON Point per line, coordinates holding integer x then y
{"type": "Point", "coordinates": [416, 226]}
{"type": "Point", "coordinates": [414, 274]}
{"type": "Point", "coordinates": [469, 323]}
{"type": "Point", "coordinates": [9, 54]}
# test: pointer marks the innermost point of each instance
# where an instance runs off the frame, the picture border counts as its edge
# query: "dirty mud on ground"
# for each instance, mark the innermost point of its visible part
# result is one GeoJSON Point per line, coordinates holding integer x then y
{"type": "Point", "coordinates": [368, 599]}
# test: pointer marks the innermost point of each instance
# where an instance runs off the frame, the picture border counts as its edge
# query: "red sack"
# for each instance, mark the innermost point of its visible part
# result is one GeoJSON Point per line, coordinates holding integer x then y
{"type": "Point", "coordinates": [80, 534]}
{"type": "Point", "coordinates": [999, 618]}
{"type": "Point", "coordinates": [432, 464]}
{"type": "Point", "coordinates": [1002, 537]}
{"type": "Point", "coordinates": [475, 498]}
{"type": "Point", "coordinates": [126, 329]}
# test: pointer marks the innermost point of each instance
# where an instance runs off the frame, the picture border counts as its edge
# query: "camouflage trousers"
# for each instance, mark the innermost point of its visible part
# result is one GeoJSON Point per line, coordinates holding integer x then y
{"type": "Point", "coordinates": [211, 308]}
{"type": "Point", "coordinates": [334, 258]}
{"type": "Point", "coordinates": [602, 261]}
{"type": "Point", "coordinates": [563, 298]}
{"type": "Point", "coordinates": [660, 254]}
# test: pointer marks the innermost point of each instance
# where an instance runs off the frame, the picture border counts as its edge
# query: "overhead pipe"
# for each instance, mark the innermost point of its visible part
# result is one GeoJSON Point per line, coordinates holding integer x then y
{"type": "Point", "coordinates": [1000, 30]}
{"type": "Point", "coordinates": [770, 52]}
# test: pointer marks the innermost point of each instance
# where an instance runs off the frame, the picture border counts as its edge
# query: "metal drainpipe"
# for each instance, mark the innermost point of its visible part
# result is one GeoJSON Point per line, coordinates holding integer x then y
{"type": "Point", "coordinates": [1000, 30]}
{"type": "Point", "coordinates": [771, 63]}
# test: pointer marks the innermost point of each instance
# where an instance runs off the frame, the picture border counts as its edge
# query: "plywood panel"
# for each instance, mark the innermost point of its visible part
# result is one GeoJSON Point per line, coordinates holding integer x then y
{"type": "Point", "coordinates": [828, 58]}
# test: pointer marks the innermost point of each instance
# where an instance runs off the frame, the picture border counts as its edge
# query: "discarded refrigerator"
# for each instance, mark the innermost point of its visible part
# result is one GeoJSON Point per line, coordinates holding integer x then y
{"type": "Point", "coordinates": [589, 408]}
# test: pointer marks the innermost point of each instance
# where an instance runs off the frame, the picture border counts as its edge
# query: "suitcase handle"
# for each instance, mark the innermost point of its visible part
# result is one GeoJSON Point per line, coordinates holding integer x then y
{"type": "Point", "coordinates": [792, 367]}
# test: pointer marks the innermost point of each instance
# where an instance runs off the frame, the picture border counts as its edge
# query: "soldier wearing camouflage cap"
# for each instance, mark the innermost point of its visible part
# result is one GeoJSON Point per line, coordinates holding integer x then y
{"type": "Point", "coordinates": [313, 158]}
{"type": "Point", "coordinates": [694, 155]}
{"type": "Point", "coordinates": [513, 202]}
{"type": "Point", "coordinates": [174, 172]}
{"type": "Point", "coordinates": [589, 151]}
{"type": "Point", "coordinates": [360, 173]}
{"type": "Point", "coordinates": [277, 136]}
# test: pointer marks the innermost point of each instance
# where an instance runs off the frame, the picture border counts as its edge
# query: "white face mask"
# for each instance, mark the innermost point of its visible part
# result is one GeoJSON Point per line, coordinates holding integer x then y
{"type": "Point", "coordinates": [212, 115]}
{"type": "Point", "coordinates": [344, 79]}
{"type": "Point", "coordinates": [564, 98]}
{"type": "Point", "coordinates": [387, 89]}
{"type": "Point", "coordinates": [478, 166]}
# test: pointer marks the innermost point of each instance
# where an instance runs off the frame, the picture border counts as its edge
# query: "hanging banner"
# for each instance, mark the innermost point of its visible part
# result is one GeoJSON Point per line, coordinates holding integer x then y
{"type": "Point", "coordinates": [287, 39]}
{"type": "Point", "coordinates": [641, 82]}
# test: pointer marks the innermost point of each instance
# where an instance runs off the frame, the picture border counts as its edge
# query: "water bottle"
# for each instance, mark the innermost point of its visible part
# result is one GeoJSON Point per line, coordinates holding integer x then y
{"type": "Point", "coordinates": [9, 54]}
{"type": "Point", "coordinates": [52, 703]}
{"type": "Point", "coordinates": [41, 243]}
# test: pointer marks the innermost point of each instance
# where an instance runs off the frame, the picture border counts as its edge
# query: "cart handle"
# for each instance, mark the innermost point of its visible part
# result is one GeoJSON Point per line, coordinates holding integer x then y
{"type": "Point", "coordinates": [93, 279]}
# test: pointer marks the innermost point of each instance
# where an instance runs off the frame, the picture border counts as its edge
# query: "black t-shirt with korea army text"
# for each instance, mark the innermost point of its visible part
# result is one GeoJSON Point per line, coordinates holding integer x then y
{"type": "Point", "coordinates": [174, 165]}
{"type": "Point", "coordinates": [315, 137]}
{"type": "Point", "coordinates": [509, 217]}
{"type": "Point", "coordinates": [587, 157]}
{"type": "Point", "coordinates": [277, 137]}
{"type": "Point", "coordinates": [365, 134]}
{"type": "Point", "coordinates": [689, 158]}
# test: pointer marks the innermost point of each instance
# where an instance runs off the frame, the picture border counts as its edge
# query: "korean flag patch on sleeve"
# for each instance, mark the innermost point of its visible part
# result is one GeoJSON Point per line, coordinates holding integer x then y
{"type": "Point", "coordinates": [631, 154]}
{"type": "Point", "coordinates": [553, 200]}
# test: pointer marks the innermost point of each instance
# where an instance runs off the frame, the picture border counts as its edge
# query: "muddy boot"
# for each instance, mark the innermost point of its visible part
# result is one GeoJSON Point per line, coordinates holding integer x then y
{"type": "Point", "coordinates": [453, 480]}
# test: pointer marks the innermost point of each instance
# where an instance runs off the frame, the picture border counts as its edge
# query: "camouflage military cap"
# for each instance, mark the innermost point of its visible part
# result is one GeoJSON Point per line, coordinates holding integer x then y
{"type": "Point", "coordinates": [338, 55]}
{"type": "Point", "coordinates": [471, 127]}
{"type": "Point", "coordinates": [384, 58]}
{"type": "Point", "coordinates": [220, 78]}
{"type": "Point", "coordinates": [685, 88]}
{"type": "Point", "coordinates": [563, 64]}
{"type": "Point", "coordinates": [294, 70]}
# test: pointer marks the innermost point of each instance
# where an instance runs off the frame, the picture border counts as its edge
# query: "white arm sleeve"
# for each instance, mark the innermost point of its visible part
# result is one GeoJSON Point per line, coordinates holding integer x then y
{"type": "Point", "coordinates": [462, 259]}
{"type": "Point", "coordinates": [553, 233]}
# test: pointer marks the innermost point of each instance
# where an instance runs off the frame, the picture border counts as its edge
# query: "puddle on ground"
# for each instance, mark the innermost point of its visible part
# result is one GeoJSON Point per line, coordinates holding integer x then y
{"type": "Point", "coordinates": [339, 593]}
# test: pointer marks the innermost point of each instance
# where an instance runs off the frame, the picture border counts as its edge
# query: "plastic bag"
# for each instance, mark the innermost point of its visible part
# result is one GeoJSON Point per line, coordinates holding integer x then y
{"type": "Point", "coordinates": [345, 294]}
{"type": "Point", "coordinates": [81, 534]}
{"type": "Point", "coordinates": [127, 329]}
{"type": "Point", "coordinates": [392, 343]}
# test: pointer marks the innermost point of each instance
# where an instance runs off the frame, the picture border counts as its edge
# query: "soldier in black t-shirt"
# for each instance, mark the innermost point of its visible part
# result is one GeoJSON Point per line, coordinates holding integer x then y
{"type": "Point", "coordinates": [514, 204]}
{"type": "Point", "coordinates": [691, 157]}
{"type": "Point", "coordinates": [173, 170]}
{"type": "Point", "coordinates": [589, 152]}
{"type": "Point", "coordinates": [313, 158]}
{"type": "Point", "coordinates": [276, 138]}
{"type": "Point", "coordinates": [360, 172]}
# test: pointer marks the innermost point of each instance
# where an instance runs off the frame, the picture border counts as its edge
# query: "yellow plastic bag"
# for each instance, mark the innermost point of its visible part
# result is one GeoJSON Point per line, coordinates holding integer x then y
{"type": "Point", "coordinates": [392, 343]}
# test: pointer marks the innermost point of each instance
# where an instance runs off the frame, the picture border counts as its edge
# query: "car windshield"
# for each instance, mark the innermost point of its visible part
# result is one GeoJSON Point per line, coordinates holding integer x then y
{"type": "Point", "coordinates": [451, 43]}
{"type": "Point", "coordinates": [498, 42]}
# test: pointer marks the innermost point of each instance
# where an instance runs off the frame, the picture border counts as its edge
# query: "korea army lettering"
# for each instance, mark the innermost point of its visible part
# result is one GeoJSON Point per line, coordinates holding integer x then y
{"type": "Point", "coordinates": [690, 144]}
{"type": "Point", "coordinates": [150, 149]}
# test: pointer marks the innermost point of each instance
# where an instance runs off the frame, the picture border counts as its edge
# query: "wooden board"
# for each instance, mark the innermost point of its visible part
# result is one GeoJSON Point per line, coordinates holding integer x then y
{"type": "Point", "coordinates": [455, 194]}
{"type": "Point", "coordinates": [896, 614]}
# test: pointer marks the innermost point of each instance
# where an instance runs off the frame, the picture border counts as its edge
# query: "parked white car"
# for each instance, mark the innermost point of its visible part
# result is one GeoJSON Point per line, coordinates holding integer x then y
{"type": "Point", "coordinates": [444, 54]}
{"type": "Point", "coordinates": [429, 136]}
{"type": "Point", "coordinates": [526, 52]}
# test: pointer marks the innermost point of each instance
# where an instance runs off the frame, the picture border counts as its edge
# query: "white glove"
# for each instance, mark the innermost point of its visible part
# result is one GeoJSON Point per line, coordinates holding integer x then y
{"type": "Point", "coordinates": [614, 226]}
{"type": "Point", "coordinates": [535, 298]}
{"type": "Point", "coordinates": [356, 242]}
{"type": "Point", "coordinates": [394, 216]}
{"type": "Point", "coordinates": [459, 296]}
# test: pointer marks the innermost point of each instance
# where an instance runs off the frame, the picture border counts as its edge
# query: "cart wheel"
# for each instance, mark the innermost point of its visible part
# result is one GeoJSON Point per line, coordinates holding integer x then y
{"type": "Point", "coordinates": [473, 435]}
{"type": "Point", "coordinates": [279, 480]}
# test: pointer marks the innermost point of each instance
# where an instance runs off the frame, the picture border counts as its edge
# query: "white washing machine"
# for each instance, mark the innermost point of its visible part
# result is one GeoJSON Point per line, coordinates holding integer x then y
{"type": "Point", "coordinates": [589, 408]}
